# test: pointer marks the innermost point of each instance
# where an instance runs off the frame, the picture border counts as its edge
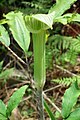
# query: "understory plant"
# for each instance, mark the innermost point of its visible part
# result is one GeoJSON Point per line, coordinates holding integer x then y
{"type": "Point", "coordinates": [69, 109]}
{"type": "Point", "coordinates": [63, 48]}
{"type": "Point", "coordinates": [22, 25]}
{"type": "Point", "coordinates": [4, 74]}
{"type": "Point", "coordinates": [15, 99]}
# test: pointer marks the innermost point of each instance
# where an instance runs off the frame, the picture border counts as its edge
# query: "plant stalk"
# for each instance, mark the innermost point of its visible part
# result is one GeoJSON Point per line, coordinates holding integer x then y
{"type": "Point", "coordinates": [39, 58]}
{"type": "Point", "coordinates": [39, 69]}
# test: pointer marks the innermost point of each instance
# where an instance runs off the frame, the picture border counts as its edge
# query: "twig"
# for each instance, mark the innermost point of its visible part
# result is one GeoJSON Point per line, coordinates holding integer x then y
{"type": "Point", "coordinates": [19, 59]}
{"type": "Point", "coordinates": [19, 84]}
{"type": "Point", "coordinates": [67, 71]}
{"type": "Point", "coordinates": [72, 29]}
{"type": "Point", "coordinates": [52, 88]}
{"type": "Point", "coordinates": [27, 98]}
{"type": "Point", "coordinates": [4, 68]}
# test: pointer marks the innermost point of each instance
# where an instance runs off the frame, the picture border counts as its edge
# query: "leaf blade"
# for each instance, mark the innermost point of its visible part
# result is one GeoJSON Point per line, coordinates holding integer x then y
{"type": "Point", "coordinates": [75, 115]}
{"type": "Point", "coordinates": [15, 99]}
{"type": "Point", "coordinates": [61, 6]}
{"type": "Point", "coordinates": [49, 111]}
{"type": "Point", "coordinates": [2, 110]}
{"type": "Point", "coordinates": [18, 29]}
{"type": "Point", "coordinates": [6, 74]}
{"type": "Point", "coordinates": [69, 99]}
{"type": "Point", "coordinates": [2, 117]}
{"type": "Point", "coordinates": [4, 37]}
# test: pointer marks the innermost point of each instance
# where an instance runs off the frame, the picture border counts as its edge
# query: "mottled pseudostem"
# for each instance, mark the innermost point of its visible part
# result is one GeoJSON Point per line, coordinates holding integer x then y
{"type": "Point", "coordinates": [40, 104]}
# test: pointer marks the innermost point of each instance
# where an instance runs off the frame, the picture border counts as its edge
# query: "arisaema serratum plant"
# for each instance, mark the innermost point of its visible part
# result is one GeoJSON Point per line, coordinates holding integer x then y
{"type": "Point", "coordinates": [37, 25]}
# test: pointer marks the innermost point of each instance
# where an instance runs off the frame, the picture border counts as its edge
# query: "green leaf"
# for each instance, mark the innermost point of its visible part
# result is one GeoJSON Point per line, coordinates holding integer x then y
{"type": "Point", "coordinates": [5, 74]}
{"type": "Point", "coordinates": [67, 18]}
{"type": "Point", "coordinates": [75, 115]}
{"type": "Point", "coordinates": [18, 29]}
{"type": "Point", "coordinates": [4, 37]}
{"type": "Point", "coordinates": [3, 21]}
{"type": "Point", "coordinates": [75, 17]}
{"type": "Point", "coordinates": [2, 117]}
{"type": "Point", "coordinates": [49, 111]}
{"type": "Point", "coordinates": [1, 65]}
{"type": "Point", "coordinates": [70, 99]}
{"type": "Point", "coordinates": [60, 7]}
{"type": "Point", "coordinates": [2, 110]}
{"type": "Point", "coordinates": [15, 99]}
{"type": "Point", "coordinates": [61, 19]}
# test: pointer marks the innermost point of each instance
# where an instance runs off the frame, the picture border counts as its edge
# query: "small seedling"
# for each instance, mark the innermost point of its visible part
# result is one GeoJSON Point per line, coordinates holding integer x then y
{"type": "Point", "coordinates": [5, 111]}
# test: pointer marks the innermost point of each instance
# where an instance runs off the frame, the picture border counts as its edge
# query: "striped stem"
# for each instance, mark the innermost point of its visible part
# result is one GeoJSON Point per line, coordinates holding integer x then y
{"type": "Point", "coordinates": [39, 69]}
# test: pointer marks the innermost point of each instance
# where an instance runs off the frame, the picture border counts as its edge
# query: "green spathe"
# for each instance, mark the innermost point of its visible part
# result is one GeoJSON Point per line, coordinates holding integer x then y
{"type": "Point", "coordinates": [39, 22]}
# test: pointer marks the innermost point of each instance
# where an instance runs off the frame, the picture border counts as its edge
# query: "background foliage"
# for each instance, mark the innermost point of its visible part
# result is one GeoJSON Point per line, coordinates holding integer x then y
{"type": "Point", "coordinates": [62, 45]}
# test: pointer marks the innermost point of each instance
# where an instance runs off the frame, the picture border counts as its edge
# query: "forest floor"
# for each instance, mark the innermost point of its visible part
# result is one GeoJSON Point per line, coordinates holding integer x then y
{"type": "Point", "coordinates": [52, 93]}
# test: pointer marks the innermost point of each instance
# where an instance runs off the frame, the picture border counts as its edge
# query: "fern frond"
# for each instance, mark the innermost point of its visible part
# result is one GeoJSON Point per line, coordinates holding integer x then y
{"type": "Point", "coordinates": [64, 48]}
{"type": "Point", "coordinates": [66, 81]}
